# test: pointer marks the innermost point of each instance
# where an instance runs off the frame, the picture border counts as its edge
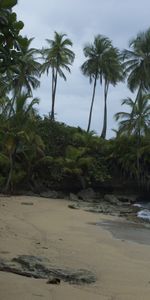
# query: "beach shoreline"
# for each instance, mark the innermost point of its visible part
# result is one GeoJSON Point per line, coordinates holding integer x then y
{"type": "Point", "coordinates": [49, 228]}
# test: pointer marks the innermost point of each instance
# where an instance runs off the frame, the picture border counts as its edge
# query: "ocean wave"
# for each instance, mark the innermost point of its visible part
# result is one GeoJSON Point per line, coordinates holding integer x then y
{"type": "Point", "coordinates": [144, 214]}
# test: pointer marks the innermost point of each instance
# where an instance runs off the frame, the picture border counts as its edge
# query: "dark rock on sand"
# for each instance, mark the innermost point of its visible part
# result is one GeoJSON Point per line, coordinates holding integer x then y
{"type": "Point", "coordinates": [38, 267]}
{"type": "Point", "coordinates": [73, 206]}
{"type": "Point", "coordinates": [49, 194]}
{"type": "Point", "coordinates": [73, 197]}
{"type": "Point", "coordinates": [88, 195]}
{"type": "Point", "coordinates": [26, 203]}
{"type": "Point", "coordinates": [53, 280]}
{"type": "Point", "coordinates": [110, 198]}
{"type": "Point", "coordinates": [128, 199]}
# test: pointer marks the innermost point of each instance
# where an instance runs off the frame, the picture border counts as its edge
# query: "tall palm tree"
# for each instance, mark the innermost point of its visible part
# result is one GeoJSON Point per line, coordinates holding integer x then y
{"type": "Point", "coordinates": [93, 66]}
{"type": "Point", "coordinates": [137, 120]}
{"type": "Point", "coordinates": [57, 57]}
{"type": "Point", "coordinates": [137, 63]}
{"type": "Point", "coordinates": [112, 74]}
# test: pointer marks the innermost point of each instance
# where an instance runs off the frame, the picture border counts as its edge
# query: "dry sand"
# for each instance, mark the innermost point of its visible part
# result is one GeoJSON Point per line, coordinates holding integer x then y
{"type": "Point", "coordinates": [67, 238]}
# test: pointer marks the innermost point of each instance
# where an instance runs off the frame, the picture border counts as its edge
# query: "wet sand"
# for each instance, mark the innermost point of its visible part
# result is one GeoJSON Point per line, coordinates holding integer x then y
{"type": "Point", "coordinates": [67, 237]}
{"type": "Point", "coordinates": [129, 231]}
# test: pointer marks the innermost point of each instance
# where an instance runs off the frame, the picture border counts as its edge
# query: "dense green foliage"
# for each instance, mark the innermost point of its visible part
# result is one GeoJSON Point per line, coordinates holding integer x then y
{"type": "Point", "coordinates": [38, 153]}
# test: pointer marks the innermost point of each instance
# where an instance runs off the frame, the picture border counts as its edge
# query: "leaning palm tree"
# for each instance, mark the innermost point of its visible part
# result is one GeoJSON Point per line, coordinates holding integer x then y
{"type": "Point", "coordinates": [112, 74]}
{"type": "Point", "coordinates": [137, 63]}
{"type": "Point", "coordinates": [93, 66]}
{"type": "Point", "coordinates": [57, 57]}
{"type": "Point", "coordinates": [137, 120]}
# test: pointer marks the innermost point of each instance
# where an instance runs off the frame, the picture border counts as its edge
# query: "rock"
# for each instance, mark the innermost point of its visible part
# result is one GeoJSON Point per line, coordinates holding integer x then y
{"type": "Point", "coordinates": [81, 276]}
{"type": "Point", "coordinates": [53, 280]}
{"type": "Point", "coordinates": [128, 199]}
{"type": "Point", "coordinates": [73, 206]}
{"type": "Point", "coordinates": [112, 199]}
{"type": "Point", "coordinates": [49, 194]}
{"type": "Point", "coordinates": [53, 194]}
{"type": "Point", "coordinates": [26, 203]}
{"type": "Point", "coordinates": [73, 197]}
{"type": "Point", "coordinates": [102, 208]}
{"type": "Point", "coordinates": [39, 267]}
{"type": "Point", "coordinates": [87, 195]}
{"type": "Point", "coordinates": [30, 193]}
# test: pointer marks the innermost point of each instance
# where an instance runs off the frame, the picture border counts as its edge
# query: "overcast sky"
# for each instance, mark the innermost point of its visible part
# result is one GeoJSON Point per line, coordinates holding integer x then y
{"type": "Point", "coordinates": [81, 20]}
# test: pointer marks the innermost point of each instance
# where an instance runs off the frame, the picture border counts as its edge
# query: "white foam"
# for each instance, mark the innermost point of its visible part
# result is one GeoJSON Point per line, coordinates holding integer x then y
{"type": "Point", "coordinates": [137, 205]}
{"type": "Point", "coordinates": [144, 214]}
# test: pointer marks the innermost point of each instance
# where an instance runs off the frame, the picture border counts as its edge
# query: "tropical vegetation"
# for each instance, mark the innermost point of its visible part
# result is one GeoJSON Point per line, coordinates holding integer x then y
{"type": "Point", "coordinates": [37, 152]}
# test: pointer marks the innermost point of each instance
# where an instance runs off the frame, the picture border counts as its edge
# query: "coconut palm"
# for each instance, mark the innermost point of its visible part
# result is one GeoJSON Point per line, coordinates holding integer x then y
{"type": "Point", "coordinates": [93, 66]}
{"type": "Point", "coordinates": [137, 63]}
{"type": "Point", "coordinates": [28, 70]}
{"type": "Point", "coordinates": [17, 130]}
{"type": "Point", "coordinates": [24, 74]}
{"type": "Point", "coordinates": [137, 120]}
{"type": "Point", "coordinates": [112, 74]}
{"type": "Point", "coordinates": [57, 57]}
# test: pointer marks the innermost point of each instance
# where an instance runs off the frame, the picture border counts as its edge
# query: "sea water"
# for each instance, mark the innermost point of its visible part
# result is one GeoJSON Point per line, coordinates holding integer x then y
{"type": "Point", "coordinates": [144, 212]}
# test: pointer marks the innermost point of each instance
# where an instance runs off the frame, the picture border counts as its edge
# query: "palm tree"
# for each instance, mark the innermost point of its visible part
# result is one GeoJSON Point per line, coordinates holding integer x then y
{"type": "Point", "coordinates": [137, 121]}
{"type": "Point", "coordinates": [28, 70]}
{"type": "Point", "coordinates": [93, 66]}
{"type": "Point", "coordinates": [137, 63]}
{"type": "Point", "coordinates": [24, 74]}
{"type": "Point", "coordinates": [57, 57]}
{"type": "Point", "coordinates": [17, 130]}
{"type": "Point", "coordinates": [112, 74]}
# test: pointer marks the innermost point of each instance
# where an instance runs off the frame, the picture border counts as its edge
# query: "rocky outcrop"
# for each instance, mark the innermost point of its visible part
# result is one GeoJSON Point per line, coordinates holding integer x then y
{"type": "Point", "coordinates": [53, 194]}
{"type": "Point", "coordinates": [110, 198]}
{"type": "Point", "coordinates": [38, 267]}
{"type": "Point", "coordinates": [49, 194]}
{"type": "Point", "coordinates": [88, 195]}
{"type": "Point", "coordinates": [128, 199]}
{"type": "Point", "coordinates": [73, 197]}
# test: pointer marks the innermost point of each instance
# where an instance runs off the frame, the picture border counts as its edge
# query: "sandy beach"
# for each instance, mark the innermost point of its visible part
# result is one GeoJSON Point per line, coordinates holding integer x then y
{"type": "Point", "coordinates": [69, 238]}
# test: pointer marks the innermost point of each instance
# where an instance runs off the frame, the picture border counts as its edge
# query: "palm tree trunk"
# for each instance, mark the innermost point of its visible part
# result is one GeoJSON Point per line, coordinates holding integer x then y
{"type": "Point", "coordinates": [54, 85]}
{"type": "Point", "coordinates": [52, 105]}
{"type": "Point", "coordinates": [16, 93]}
{"type": "Point", "coordinates": [139, 94]}
{"type": "Point", "coordinates": [103, 134]}
{"type": "Point", "coordinates": [91, 108]}
{"type": "Point", "coordinates": [10, 173]}
{"type": "Point", "coordinates": [11, 106]}
{"type": "Point", "coordinates": [138, 155]}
